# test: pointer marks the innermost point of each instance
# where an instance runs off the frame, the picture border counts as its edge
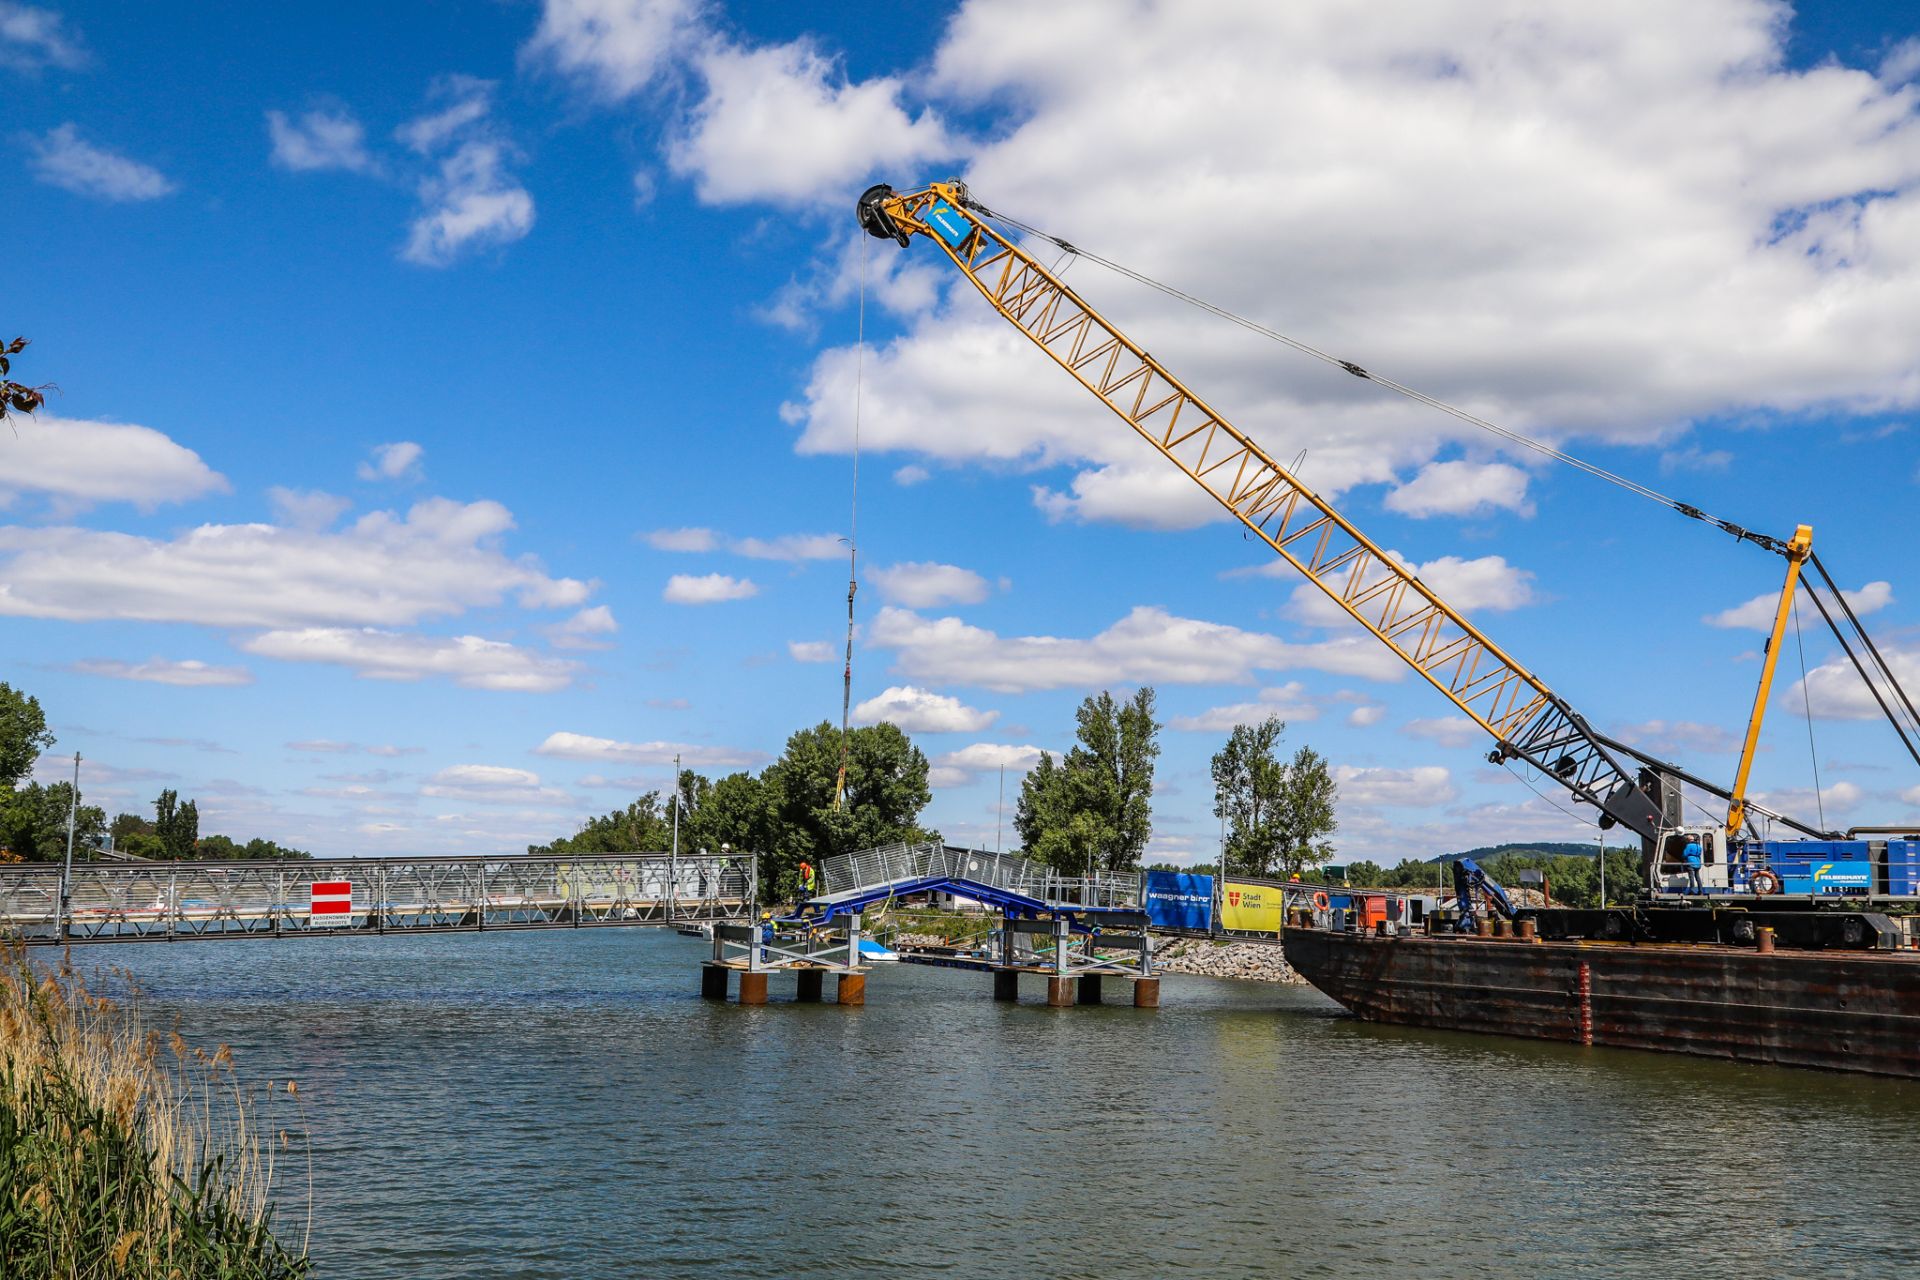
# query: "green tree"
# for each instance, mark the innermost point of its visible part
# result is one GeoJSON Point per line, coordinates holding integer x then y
{"type": "Point", "coordinates": [1305, 815]}
{"type": "Point", "coordinates": [177, 824]}
{"type": "Point", "coordinates": [1249, 783]}
{"type": "Point", "coordinates": [886, 790]}
{"type": "Point", "coordinates": [641, 827]}
{"type": "Point", "coordinates": [126, 825]}
{"type": "Point", "coordinates": [1093, 811]}
{"type": "Point", "coordinates": [734, 813]}
{"type": "Point", "coordinates": [23, 735]}
{"type": "Point", "coordinates": [33, 822]}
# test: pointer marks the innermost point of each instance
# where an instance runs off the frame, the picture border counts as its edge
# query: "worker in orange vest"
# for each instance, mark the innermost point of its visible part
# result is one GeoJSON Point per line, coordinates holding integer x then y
{"type": "Point", "coordinates": [806, 879]}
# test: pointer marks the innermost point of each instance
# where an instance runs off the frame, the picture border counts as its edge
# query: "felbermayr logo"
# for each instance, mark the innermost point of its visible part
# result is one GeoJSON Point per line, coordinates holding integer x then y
{"type": "Point", "coordinates": [1820, 872]}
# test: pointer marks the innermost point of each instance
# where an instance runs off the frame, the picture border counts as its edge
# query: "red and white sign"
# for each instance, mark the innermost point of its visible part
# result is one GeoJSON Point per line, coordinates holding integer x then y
{"type": "Point", "coordinates": [330, 902]}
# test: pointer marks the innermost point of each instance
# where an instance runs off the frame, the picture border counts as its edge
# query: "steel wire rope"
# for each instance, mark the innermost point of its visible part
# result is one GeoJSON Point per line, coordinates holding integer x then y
{"type": "Point", "coordinates": [1412, 393]}
{"type": "Point", "coordinates": [1879, 662]}
{"type": "Point", "coordinates": [1806, 707]}
{"type": "Point", "coordinates": [1859, 667]}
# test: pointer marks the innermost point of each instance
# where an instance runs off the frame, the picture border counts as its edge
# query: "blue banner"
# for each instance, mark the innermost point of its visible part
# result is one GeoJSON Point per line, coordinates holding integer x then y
{"type": "Point", "coordinates": [1176, 900]}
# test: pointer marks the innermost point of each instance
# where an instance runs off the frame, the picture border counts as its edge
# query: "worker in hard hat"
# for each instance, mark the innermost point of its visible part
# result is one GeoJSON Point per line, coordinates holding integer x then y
{"type": "Point", "coordinates": [806, 879]}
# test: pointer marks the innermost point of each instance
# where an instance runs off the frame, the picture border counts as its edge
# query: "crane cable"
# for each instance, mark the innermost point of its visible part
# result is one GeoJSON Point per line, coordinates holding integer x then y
{"type": "Point", "coordinates": [1766, 541]}
{"type": "Point", "coordinates": [1806, 705]}
{"type": "Point", "coordinates": [853, 529]}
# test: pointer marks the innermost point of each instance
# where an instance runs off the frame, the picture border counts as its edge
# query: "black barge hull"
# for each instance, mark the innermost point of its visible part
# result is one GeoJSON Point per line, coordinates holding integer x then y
{"type": "Point", "coordinates": [1835, 1010]}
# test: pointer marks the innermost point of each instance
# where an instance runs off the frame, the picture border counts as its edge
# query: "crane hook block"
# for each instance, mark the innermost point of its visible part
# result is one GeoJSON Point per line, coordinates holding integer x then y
{"type": "Point", "coordinates": [873, 215]}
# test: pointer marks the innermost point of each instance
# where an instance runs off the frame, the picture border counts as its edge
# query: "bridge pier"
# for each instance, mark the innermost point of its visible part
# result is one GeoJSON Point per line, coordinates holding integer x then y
{"type": "Point", "coordinates": [1060, 992]}
{"type": "Point", "coordinates": [852, 988]}
{"type": "Point", "coordinates": [1006, 984]}
{"type": "Point", "coordinates": [1089, 988]}
{"type": "Point", "coordinates": [1146, 993]}
{"type": "Point", "coordinates": [753, 986]}
{"type": "Point", "coordinates": [713, 982]}
{"type": "Point", "coordinates": [808, 984]}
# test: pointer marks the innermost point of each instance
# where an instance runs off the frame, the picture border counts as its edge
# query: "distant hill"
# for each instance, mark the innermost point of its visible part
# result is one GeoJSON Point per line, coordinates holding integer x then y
{"type": "Point", "coordinates": [1543, 849]}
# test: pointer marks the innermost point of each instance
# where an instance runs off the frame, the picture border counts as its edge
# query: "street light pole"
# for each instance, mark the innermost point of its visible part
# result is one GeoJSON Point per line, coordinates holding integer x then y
{"type": "Point", "coordinates": [673, 855]}
{"type": "Point", "coordinates": [66, 873]}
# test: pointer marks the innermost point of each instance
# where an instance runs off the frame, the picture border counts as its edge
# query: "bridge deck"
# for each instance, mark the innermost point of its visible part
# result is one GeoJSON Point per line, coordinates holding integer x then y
{"type": "Point", "coordinates": [169, 901]}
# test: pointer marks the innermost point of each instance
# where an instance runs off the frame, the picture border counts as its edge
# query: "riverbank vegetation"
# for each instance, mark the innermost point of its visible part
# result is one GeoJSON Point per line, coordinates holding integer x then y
{"type": "Point", "coordinates": [35, 816]}
{"type": "Point", "coordinates": [125, 1154]}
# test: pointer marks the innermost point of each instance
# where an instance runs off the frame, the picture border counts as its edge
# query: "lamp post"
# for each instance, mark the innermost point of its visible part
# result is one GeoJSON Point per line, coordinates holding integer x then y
{"type": "Point", "coordinates": [673, 854]}
{"type": "Point", "coordinates": [66, 872]}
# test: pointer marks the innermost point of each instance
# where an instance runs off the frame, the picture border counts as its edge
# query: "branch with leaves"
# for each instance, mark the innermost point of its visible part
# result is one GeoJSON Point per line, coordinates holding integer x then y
{"type": "Point", "coordinates": [17, 397]}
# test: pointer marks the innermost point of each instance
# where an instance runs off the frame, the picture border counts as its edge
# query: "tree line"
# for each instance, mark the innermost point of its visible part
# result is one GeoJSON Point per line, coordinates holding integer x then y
{"type": "Point", "coordinates": [1088, 810]}
{"type": "Point", "coordinates": [1093, 810]}
{"type": "Point", "coordinates": [1573, 879]}
{"type": "Point", "coordinates": [787, 813]}
{"type": "Point", "coordinates": [33, 815]}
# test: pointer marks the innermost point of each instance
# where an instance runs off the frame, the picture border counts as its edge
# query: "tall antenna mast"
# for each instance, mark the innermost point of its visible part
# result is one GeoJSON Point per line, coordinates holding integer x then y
{"type": "Point", "coordinates": [853, 529]}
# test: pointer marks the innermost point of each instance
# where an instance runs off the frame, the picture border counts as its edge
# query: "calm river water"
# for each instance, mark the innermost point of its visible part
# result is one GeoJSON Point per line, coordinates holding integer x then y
{"type": "Point", "coordinates": [564, 1105]}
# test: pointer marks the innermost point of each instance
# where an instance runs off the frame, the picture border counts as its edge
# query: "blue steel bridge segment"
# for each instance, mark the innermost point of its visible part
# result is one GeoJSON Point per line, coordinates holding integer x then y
{"type": "Point", "coordinates": [820, 910]}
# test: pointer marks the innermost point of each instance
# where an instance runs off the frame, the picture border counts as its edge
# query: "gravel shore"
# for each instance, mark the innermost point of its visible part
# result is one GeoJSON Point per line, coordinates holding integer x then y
{"type": "Point", "coordinates": [1254, 961]}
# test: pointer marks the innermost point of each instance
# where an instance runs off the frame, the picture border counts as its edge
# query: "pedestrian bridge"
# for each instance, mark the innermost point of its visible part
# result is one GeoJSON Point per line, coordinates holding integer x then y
{"type": "Point", "coordinates": [1019, 887]}
{"type": "Point", "coordinates": [168, 901]}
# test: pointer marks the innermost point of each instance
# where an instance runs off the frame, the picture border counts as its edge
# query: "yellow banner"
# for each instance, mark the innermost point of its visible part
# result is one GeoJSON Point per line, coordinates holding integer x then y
{"type": "Point", "coordinates": [1252, 908]}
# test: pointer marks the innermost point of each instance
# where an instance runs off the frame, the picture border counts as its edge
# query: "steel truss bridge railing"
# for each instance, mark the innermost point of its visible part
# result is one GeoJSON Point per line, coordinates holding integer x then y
{"type": "Point", "coordinates": [164, 901]}
{"type": "Point", "coordinates": [853, 873]}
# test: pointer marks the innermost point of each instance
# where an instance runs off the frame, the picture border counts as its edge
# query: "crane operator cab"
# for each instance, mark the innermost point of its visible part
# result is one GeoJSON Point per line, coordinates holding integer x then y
{"type": "Point", "coordinates": [1690, 861]}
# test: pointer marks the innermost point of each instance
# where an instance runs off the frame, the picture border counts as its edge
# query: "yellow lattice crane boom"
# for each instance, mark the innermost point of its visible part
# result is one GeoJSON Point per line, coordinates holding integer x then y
{"type": "Point", "coordinates": [1527, 720]}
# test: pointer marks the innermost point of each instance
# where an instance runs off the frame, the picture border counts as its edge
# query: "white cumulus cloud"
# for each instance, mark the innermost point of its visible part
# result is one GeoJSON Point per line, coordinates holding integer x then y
{"type": "Point", "coordinates": [1288, 701]}
{"type": "Point", "coordinates": [1757, 614]}
{"type": "Point", "coordinates": [441, 558]}
{"type": "Point", "coordinates": [471, 202]}
{"type": "Point", "coordinates": [783, 123]}
{"type": "Point", "coordinates": [32, 38]}
{"type": "Point", "coordinates": [397, 461]}
{"type": "Point", "coordinates": [374, 654]}
{"type": "Point", "coordinates": [491, 784]}
{"type": "Point", "coordinates": [587, 629]}
{"type": "Point", "coordinates": [811, 650]}
{"type": "Point", "coordinates": [190, 672]}
{"type": "Point", "coordinates": [1462, 489]}
{"type": "Point", "coordinates": [1148, 646]}
{"type": "Point", "coordinates": [580, 746]}
{"type": "Point", "coordinates": [617, 47]}
{"type": "Point", "coordinates": [707, 588]}
{"type": "Point", "coordinates": [66, 160]}
{"type": "Point", "coordinates": [1419, 786]}
{"type": "Point", "coordinates": [77, 462]}
{"type": "Point", "coordinates": [926, 584]}
{"type": "Point", "coordinates": [325, 138]}
{"type": "Point", "coordinates": [923, 711]}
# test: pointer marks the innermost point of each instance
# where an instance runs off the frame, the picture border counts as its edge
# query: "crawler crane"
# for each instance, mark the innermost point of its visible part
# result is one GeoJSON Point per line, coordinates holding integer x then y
{"type": "Point", "coordinates": [1736, 858]}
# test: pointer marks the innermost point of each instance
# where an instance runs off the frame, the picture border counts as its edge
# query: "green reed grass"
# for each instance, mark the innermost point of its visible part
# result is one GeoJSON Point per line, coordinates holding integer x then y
{"type": "Point", "coordinates": [125, 1153]}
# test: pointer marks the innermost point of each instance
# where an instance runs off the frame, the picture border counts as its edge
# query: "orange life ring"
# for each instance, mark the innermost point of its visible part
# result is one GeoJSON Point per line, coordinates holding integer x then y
{"type": "Point", "coordinates": [1765, 882]}
{"type": "Point", "coordinates": [1321, 902]}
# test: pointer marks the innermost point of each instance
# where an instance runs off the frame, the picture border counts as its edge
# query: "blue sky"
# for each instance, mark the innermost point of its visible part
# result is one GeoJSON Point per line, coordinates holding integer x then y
{"type": "Point", "coordinates": [456, 401]}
